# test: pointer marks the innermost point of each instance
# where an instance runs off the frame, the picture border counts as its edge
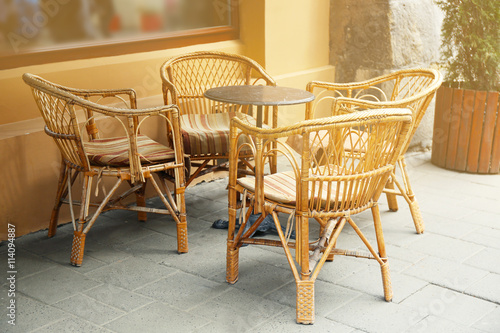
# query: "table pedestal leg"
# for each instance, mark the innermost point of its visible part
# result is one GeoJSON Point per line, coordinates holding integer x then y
{"type": "Point", "coordinates": [259, 116]}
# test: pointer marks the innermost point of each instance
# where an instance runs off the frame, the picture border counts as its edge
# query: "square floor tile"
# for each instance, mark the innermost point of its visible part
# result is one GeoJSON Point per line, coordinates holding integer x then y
{"type": "Point", "coordinates": [30, 314]}
{"type": "Point", "coordinates": [55, 284]}
{"type": "Point", "coordinates": [490, 322]}
{"type": "Point", "coordinates": [72, 324]}
{"type": "Point", "coordinates": [487, 288]}
{"type": "Point", "coordinates": [433, 324]}
{"type": "Point", "coordinates": [183, 290]}
{"type": "Point", "coordinates": [131, 273]}
{"type": "Point", "coordinates": [445, 273]}
{"type": "Point", "coordinates": [118, 297]}
{"type": "Point", "coordinates": [374, 314]}
{"type": "Point", "coordinates": [89, 309]}
{"type": "Point", "coordinates": [157, 317]}
{"type": "Point", "coordinates": [239, 309]}
{"type": "Point", "coordinates": [456, 307]}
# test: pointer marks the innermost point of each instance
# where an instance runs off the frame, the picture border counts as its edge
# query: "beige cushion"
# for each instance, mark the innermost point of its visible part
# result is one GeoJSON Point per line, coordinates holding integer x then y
{"type": "Point", "coordinates": [115, 151]}
{"type": "Point", "coordinates": [281, 187]}
{"type": "Point", "coordinates": [208, 134]}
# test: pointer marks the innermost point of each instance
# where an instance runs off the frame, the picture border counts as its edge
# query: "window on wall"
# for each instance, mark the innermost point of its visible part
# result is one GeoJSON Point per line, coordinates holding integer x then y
{"type": "Point", "coordinates": [41, 31]}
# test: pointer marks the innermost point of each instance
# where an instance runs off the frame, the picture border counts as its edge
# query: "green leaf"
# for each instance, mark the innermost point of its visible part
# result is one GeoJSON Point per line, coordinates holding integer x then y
{"type": "Point", "coordinates": [470, 46]}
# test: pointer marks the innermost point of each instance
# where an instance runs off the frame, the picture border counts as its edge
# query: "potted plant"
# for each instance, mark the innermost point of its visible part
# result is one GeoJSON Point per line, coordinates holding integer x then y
{"type": "Point", "coordinates": [467, 123]}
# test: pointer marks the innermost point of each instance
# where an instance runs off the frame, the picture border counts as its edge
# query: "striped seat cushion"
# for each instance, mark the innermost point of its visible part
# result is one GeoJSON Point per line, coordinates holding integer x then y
{"type": "Point", "coordinates": [208, 134]}
{"type": "Point", "coordinates": [281, 187]}
{"type": "Point", "coordinates": [115, 151]}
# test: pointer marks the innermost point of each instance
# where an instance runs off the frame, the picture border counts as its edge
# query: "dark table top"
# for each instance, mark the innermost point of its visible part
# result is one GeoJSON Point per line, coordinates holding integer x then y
{"type": "Point", "coordinates": [259, 95]}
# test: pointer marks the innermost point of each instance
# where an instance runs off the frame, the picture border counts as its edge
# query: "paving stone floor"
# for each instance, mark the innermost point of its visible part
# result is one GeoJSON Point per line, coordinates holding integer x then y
{"type": "Point", "coordinates": [132, 279]}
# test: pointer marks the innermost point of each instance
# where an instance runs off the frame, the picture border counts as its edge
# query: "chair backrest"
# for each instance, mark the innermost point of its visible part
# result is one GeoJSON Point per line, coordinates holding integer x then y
{"type": "Point", "coordinates": [185, 78]}
{"type": "Point", "coordinates": [349, 162]}
{"type": "Point", "coordinates": [61, 123]}
{"type": "Point", "coordinates": [70, 120]}
{"type": "Point", "coordinates": [358, 152]}
{"type": "Point", "coordinates": [408, 88]}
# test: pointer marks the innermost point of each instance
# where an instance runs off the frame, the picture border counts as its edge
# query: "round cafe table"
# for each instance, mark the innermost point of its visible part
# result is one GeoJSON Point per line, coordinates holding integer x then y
{"type": "Point", "coordinates": [259, 96]}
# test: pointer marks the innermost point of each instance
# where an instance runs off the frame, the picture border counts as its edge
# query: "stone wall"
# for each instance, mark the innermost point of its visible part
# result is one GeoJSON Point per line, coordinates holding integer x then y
{"type": "Point", "coordinates": [374, 37]}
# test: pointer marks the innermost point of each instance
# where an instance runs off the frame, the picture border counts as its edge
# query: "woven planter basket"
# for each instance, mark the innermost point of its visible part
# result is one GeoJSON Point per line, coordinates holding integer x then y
{"type": "Point", "coordinates": [466, 133]}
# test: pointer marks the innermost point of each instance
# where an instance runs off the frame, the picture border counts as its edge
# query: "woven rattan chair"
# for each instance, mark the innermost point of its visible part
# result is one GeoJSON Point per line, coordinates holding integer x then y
{"type": "Point", "coordinates": [205, 123]}
{"type": "Point", "coordinates": [410, 88]}
{"type": "Point", "coordinates": [132, 158]}
{"type": "Point", "coordinates": [345, 179]}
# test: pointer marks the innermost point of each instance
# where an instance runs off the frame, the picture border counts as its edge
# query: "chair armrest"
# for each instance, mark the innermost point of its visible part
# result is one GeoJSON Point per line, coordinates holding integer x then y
{"type": "Point", "coordinates": [168, 88]}
{"type": "Point", "coordinates": [349, 86]}
{"type": "Point", "coordinates": [77, 99]}
{"type": "Point", "coordinates": [86, 93]}
{"type": "Point", "coordinates": [104, 93]}
{"type": "Point", "coordinates": [364, 84]}
{"type": "Point", "coordinates": [328, 122]}
{"type": "Point", "coordinates": [334, 91]}
{"type": "Point", "coordinates": [343, 105]}
{"type": "Point", "coordinates": [347, 105]}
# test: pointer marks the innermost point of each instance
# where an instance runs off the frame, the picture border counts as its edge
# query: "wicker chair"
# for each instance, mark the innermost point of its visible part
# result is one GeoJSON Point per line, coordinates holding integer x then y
{"type": "Point", "coordinates": [346, 179]}
{"type": "Point", "coordinates": [205, 123]}
{"type": "Point", "coordinates": [133, 158]}
{"type": "Point", "coordinates": [411, 88]}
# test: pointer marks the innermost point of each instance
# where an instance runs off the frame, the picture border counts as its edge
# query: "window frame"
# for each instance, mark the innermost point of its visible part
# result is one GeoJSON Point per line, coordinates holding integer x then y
{"type": "Point", "coordinates": [97, 49]}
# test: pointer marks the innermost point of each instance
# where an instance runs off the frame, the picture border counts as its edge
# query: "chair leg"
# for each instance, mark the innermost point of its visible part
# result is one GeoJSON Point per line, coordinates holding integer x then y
{"type": "Point", "coordinates": [331, 256]}
{"type": "Point", "coordinates": [79, 235]}
{"type": "Point", "coordinates": [410, 197]}
{"type": "Point", "coordinates": [182, 230]}
{"type": "Point", "coordinates": [182, 235]}
{"type": "Point", "coordinates": [384, 265]}
{"type": "Point", "coordinates": [61, 188]}
{"type": "Point", "coordinates": [77, 248]}
{"type": "Point", "coordinates": [232, 256]}
{"type": "Point", "coordinates": [305, 302]}
{"type": "Point", "coordinates": [197, 172]}
{"type": "Point", "coordinates": [417, 217]}
{"type": "Point", "coordinates": [232, 263]}
{"type": "Point", "coordinates": [391, 198]}
{"type": "Point", "coordinates": [140, 198]}
{"type": "Point", "coordinates": [176, 209]}
{"type": "Point", "coordinates": [321, 230]}
{"type": "Point", "coordinates": [386, 281]}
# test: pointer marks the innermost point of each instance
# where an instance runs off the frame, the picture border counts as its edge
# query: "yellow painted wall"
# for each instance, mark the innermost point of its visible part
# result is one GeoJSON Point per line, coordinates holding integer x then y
{"type": "Point", "coordinates": [139, 71]}
{"type": "Point", "coordinates": [289, 38]}
{"type": "Point", "coordinates": [297, 35]}
{"type": "Point", "coordinates": [297, 47]}
{"type": "Point", "coordinates": [253, 28]}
